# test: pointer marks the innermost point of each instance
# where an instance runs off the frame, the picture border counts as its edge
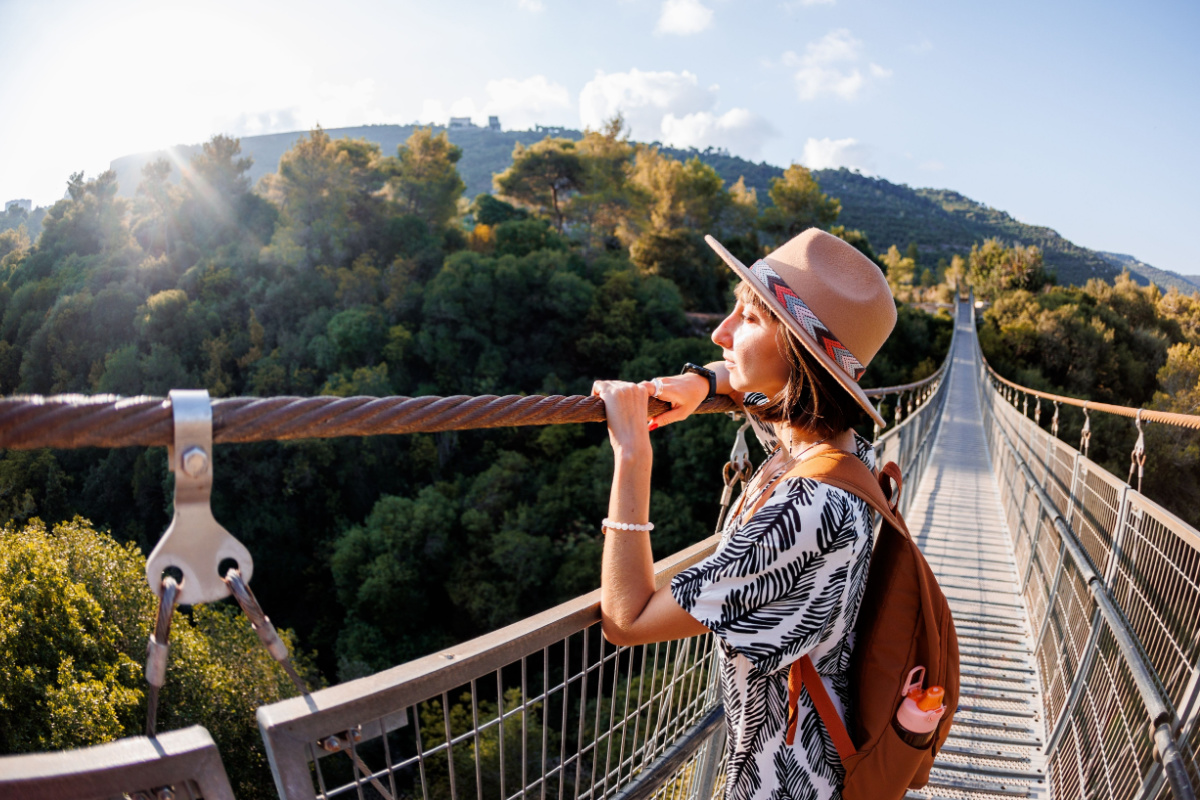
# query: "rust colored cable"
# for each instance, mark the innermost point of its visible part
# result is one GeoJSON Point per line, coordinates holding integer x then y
{"type": "Point", "coordinates": [73, 421]}
{"type": "Point", "coordinates": [1162, 417]}
{"type": "Point", "coordinates": [904, 387]}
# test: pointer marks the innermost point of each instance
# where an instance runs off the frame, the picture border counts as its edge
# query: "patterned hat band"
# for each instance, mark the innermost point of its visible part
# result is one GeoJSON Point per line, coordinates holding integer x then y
{"type": "Point", "coordinates": [840, 354]}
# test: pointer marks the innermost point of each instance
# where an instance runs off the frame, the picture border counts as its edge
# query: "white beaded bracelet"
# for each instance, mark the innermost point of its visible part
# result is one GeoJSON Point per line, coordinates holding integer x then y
{"type": "Point", "coordinates": [626, 526]}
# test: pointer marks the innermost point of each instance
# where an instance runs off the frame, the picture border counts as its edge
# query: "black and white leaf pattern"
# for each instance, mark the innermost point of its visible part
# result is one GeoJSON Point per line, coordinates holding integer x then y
{"type": "Point", "coordinates": [819, 751]}
{"type": "Point", "coordinates": [787, 583]}
{"type": "Point", "coordinates": [791, 780]}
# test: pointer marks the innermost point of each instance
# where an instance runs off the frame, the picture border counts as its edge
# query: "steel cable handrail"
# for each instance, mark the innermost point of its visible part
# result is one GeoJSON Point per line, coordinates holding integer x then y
{"type": "Point", "coordinates": [28, 422]}
{"type": "Point", "coordinates": [73, 420]}
{"type": "Point", "coordinates": [1147, 415]}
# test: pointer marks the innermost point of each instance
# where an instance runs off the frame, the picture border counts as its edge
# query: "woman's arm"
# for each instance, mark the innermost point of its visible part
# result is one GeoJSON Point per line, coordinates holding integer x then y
{"type": "Point", "coordinates": [631, 611]}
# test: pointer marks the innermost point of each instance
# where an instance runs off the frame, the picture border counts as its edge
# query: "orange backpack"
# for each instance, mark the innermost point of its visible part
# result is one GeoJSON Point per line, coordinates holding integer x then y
{"type": "Point", "coordinates": [903, 622]}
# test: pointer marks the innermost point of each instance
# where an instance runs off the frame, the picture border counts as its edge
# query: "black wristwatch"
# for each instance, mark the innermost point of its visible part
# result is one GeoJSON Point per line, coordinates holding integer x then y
{"type": "Point", "coordinates": [703, 372]}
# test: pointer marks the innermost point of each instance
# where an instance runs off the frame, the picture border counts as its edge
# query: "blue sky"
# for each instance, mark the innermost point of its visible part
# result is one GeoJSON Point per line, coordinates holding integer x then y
{"type": "Point", "coordinates": [1080, 116]}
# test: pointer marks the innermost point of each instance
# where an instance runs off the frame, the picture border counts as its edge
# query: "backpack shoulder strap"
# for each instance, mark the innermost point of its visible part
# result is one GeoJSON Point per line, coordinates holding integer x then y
{"type": "Point", "coordinates": [845, 471]}
{"type": "Point", "coordinates": [804, 673]}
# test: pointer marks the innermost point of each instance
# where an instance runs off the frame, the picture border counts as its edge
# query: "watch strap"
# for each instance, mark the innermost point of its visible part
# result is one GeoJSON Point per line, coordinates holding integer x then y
{"type": "Point", "coordinates": [704, 372]}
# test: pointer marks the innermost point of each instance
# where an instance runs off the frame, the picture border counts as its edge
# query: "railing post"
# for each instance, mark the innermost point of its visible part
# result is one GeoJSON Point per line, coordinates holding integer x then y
{"type": "Point", "coordinates": [1118, 539]}
{"type": "Point", "coordinates": [711, 764]}
{"type": "Point", "coordinates": [1051, 596]}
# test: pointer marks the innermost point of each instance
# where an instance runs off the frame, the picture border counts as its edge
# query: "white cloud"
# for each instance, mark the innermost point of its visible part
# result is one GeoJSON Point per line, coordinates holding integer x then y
{"type": "Point", "coordinates": [644, 98]}
{"type": "Point", "coordinates": [829, 66]}
{"type": "Point", "coordinates": [671, 107]}
{"type": "Point", "coordinates": [737, 129]}
{"type": "Point", "coordinates": [683, 17]}
{"type": "Point", "coordinates": [812, 82]}
{"type": "Point", "coordinates": [832, 153]}
{"type": "Point", "coordinates": [794, 4]}
{"type": "Point", "coordinates": [330, 104]}
{"type": "Point", "coordinates": [923, 46]}
{"type": "Point", "coordinates": [520, 104]}
{"type": "Point", "coordinates": [932, 166]}
{"type": "Point", "coordinates": [833, 47]}
{"type": "Point", "coordinates": [531, 5]}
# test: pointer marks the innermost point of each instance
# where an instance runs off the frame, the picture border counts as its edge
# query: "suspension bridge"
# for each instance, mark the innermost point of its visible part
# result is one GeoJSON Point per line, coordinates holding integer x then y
{"type": "Point", "coordinates": [1076, 599]}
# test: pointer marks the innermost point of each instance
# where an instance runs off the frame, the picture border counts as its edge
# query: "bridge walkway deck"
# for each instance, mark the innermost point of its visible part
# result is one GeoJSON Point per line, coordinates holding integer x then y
{"type": "Point", "coordinates": [996, 747]}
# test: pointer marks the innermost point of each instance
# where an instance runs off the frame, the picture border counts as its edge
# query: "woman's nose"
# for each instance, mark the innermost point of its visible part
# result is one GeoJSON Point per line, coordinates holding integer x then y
{"type": "Point", "coordinates": [723, 335]}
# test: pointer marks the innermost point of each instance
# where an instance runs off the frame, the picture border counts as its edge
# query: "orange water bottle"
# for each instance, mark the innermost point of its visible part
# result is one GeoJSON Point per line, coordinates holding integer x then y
{"type": "Point", "coordinates": [920, 711]}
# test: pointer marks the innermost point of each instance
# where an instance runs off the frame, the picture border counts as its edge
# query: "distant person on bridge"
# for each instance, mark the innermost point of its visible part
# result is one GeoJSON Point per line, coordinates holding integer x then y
{"type": "Point", "coordinates": [787, 578]}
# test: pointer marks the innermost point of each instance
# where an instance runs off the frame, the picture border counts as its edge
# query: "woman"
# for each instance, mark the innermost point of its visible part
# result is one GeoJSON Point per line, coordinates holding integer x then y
{"type": "Point", "coordinates": [787, 579]}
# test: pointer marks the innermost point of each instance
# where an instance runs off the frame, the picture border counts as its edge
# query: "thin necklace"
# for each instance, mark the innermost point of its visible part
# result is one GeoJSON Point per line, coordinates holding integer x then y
{"type": "Point", "coordinates": [766, 484]}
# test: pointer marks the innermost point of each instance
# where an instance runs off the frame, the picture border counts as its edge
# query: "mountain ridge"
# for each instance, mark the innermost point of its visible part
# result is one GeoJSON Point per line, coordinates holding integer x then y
{"type": "Point", "coordinates": [941, 222]}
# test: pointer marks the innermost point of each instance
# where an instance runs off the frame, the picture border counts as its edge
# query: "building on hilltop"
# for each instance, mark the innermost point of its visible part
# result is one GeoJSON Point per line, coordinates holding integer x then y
{"type": "Point", "coordinates": [458, 123]}
{"type": "Point", "coordinates": [26, 205]}
{"type": "Point", "coordinates": [494, 124]}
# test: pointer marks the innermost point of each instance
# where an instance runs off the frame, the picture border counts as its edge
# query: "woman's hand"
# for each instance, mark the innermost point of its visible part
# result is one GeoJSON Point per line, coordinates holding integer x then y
{"type": "Point", "coordinates": [684, 392]}
{"type": "Point", "coordinates": [626, 406]}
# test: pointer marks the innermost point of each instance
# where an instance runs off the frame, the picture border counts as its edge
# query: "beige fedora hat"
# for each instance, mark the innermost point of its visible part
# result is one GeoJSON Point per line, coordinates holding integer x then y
{"type": "Point", "coordinates": [831, 296]}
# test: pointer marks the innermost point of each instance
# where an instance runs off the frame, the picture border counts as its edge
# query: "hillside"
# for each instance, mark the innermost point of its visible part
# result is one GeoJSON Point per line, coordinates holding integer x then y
{"type": "Point", "coordinates": [1165, 279]}
{"type": "Point", "coordinates": [484, 152]}
{"type": "Point", "coordinates": [941, 222]}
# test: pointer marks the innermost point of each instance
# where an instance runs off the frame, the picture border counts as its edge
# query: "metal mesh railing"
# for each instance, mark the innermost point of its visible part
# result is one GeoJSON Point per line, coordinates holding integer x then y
{"type": "Point", "coordinates": [544, 708]}
{"type": "Point", "coordinates": [1112, 585]}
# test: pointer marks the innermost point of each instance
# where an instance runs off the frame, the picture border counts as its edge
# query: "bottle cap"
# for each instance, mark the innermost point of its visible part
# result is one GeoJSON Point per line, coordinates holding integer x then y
{"type": "Point", "coordinates": [932, 698]}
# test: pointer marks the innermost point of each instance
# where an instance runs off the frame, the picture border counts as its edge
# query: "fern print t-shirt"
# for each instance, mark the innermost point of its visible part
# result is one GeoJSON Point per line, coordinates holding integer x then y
{"type": "Point", "coordinates": [787, 583]}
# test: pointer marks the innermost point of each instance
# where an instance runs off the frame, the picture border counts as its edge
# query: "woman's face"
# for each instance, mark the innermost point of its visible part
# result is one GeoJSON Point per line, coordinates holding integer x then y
{"type": "Point", "coordinates": [749, 344]}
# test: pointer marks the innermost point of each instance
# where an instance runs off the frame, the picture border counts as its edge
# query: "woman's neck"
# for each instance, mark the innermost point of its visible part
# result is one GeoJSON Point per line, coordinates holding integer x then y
{"type": "Point", "coordinates": [795, 440]}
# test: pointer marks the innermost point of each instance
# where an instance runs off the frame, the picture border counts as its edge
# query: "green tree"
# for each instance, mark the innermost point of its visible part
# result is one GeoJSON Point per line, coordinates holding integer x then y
{"type": "Point", "coordinates": [326, 191]}
{"type": "Point", "coordinates": [75, 615]}
{"type": "Point", "coordinates": [14, 242]}
{"type": "Point", "coordinates": [391, 575]}
{"type": "Point", "coordinates": [425, 182]}
{"type": "Point", "coordinates": [543, 177]}
{"type": "Point", "coordinates": [89, 222]}
{"type": "Point", "coordinates": [607, 209]}
{"type": "Point", "coordinates": [798, 204]}
{"type": "Point", "coordinates": [686, 200]}
{"type": "Point", "coordinates": [995, 268]}
{"type": "Point", "coordinates": [1173, 460]}
{"type": "Point", "coordinates": [155, 208]}
{"type": "Point", "coordinates": [682, 195]}
{"type": "Point", "coordinates": [487, 210]}
{"type": "Point", "coordinates": [956, 274]}
{"type": "Point", "coordinates": [900, 273]}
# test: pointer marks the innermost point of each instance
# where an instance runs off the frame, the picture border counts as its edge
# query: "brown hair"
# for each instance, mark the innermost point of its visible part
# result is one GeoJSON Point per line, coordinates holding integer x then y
{"type": "Point", "coordinates": [812, 398]}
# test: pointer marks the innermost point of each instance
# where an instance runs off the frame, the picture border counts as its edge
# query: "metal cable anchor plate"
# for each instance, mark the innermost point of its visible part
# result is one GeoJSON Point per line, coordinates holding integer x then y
{"type": "Point", "coordinates": [195, 543]}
